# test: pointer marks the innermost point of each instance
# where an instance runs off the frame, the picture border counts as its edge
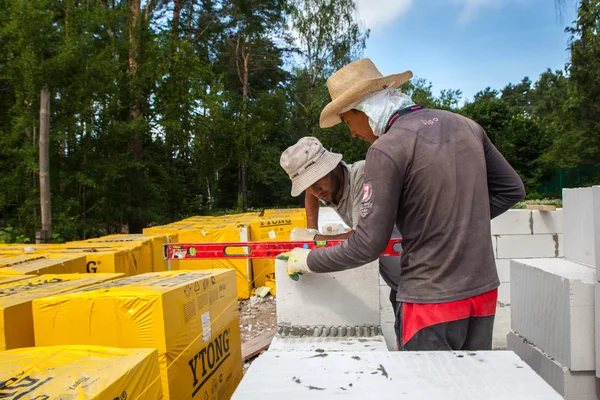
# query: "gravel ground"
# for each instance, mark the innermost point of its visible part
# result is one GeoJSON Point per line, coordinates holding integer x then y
{"type": "Point", "coordinates": [257, 316]}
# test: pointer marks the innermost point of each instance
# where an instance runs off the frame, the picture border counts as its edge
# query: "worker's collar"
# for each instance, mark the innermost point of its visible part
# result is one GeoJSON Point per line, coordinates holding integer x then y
{"type": "Point", "coordinates": [400, 113]}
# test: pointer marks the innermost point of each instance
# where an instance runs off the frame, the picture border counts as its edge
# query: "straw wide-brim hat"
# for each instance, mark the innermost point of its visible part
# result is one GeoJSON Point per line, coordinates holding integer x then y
{"type": "Point", "coordinates": [353, 82]}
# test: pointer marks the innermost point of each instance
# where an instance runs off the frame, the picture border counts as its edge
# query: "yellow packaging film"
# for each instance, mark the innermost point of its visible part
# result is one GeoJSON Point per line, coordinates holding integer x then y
{"type": "Point", "coordinates": [144, 250]}
{"type": "Point", "coordinates": [191, 317]}
{"type": "Point", "coordinates": [78, 372]}
{"type": "Point", "coordinates": [135, 257]}
{"type": "Point", "coordinates": [16, 322]}
{"type": "Point", "coordinates": [272, 228]}
{"type": "Point", "coordinates": [42, 265]}
{"type": "Point", "coordinates": [287, 211]}
{"type": "Point", "coordinates": [99, 257]}
{"type": "Point", "coordinates": [156, 245]}
{"type": "Point", "coordinates": [102, 259]}
{"type": "Point", "coordinates": [12, 278]}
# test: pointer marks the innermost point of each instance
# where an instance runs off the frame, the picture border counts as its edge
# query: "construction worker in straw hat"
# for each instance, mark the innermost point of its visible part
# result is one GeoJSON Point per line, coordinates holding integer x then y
{"type": "Point", "coordinates": [325, 178]}
{"type": "Point", "coordinates": [437, 177]}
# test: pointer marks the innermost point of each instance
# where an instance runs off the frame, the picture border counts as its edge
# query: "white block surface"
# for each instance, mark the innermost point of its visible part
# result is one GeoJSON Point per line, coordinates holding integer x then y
{"type": "Point", "coordinates": [344, 298]}
{"type": "Point", "coordinates": [581, 210]}
{"type": "Point", "coordinates": [547, 221]}
{"type": "Point", "coordinates": [329, 344]}
{"type": "Point", "coordinates": [513, 222]}
{"type": "Point", "coordinates": [503, 267]}
{"type": "Point", "coordinates": [597, 329]}
{"type": "Point", "coordinates": [387, 317]}
{"type": "Point", "coordinates": [529, 246]}
{"type": "Point", "coordinates": [570, 385]}
{"type": "Point", "coordinates": [553, 307]}
{"type": "Point", "coordinates": [504, 293]}
{"type": "Point", "coordinates": [393, 375]}
{"type": "Point", "coordinates": [328, 216]}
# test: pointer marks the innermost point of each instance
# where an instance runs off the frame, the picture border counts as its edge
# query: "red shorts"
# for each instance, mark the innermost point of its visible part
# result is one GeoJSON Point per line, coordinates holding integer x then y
{"type": "Point", "coordinates": [467, 322]}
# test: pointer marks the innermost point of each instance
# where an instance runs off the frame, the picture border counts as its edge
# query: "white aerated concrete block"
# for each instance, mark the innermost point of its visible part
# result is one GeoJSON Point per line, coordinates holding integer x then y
{"type": "Point", "coordinates": [547, 221]}
{"type": "Point", "coordinates": [597, 329]}
{"type": "Point", "coordinates": [529, 246]}
{"type": "Point", "coordinates": [582, 224]}
{"type": "Point", "coordinates": [571, 385]}
{"type": "Point", "coordinates": [346, 298]}
{"type": "Point", "coordinates": [406, 375]}
{"type": "Point", "coordinates": [503, 268]}
{"type": "Point", "coordinates": [504, 293]}
{"type": "Point", "coordinates": [387, 317]}
{"type": "Point", "coordinates": [328, 344]}
{"type": "Point", "coordinates": [513, 222]}
{"type": "Point", "coordinates": [327, 217]}
{"type": "Point", "coordinates": [553, 307]}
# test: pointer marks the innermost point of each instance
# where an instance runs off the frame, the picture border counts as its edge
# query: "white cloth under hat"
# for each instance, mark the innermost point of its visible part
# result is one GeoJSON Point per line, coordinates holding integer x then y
{"type": "Point", "coordinates": [354, 82]}
{"type": "Point", "coordinates": [306, 162]}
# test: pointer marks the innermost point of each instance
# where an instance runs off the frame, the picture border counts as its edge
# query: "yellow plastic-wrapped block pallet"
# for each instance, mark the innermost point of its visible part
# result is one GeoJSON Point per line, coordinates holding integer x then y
{"type": "Point", "coordinates": [99, 257]}
{"type": "Point", "coordinates": [210, 233]}
{"type": "Point", "coordinates": [41, 265]}
{"type": "Point", "coordinates": [12, 278]}
{"type": "Point", "coordinates": [78, 372]}
{"type": "Point", "coordinates": [272, 228]}
{"type": "Point", "coordinates": [151, 248]}
{"type": "Point", "coordinates": [134, 257]}
{"type": "Point", "coordinates": [156, 244]}
{"type": "Point", "coordinates": [191, 317]}
{"type": "Point", "coordinates": [289, 211]}
{"type": "Point", "coordinates": [16, 322]}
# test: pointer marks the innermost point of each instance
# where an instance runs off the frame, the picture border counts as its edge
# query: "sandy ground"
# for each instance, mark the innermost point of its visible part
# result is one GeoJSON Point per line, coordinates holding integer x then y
{"type": "Point", "coordinates": [501, 327]}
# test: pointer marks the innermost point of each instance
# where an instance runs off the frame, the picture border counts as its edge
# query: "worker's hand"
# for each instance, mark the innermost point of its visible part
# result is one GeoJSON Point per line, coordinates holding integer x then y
{"type": "Point", "coordinates": [296, 262]}
{"type": "Point", "coordinates": [303, 235]}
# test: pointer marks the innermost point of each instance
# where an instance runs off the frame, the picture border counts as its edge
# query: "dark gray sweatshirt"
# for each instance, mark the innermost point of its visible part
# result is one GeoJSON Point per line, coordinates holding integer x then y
{"type": "Point", "coordinates": [436, 175]}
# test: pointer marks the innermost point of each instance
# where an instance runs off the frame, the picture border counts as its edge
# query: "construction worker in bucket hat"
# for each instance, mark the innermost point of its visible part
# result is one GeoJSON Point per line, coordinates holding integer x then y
{"type": "Point", "coordinates": [324, 177]}
{"type": "Point", "coordinates": [435, 175]}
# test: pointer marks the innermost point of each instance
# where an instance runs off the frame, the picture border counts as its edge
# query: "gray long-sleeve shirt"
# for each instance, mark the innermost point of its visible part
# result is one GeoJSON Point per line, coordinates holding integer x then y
{"type": "Point", "coordinates": [437, 176]}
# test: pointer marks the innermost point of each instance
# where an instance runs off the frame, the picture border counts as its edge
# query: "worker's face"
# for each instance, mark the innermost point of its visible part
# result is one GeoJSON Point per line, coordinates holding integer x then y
{"type": "Point", "coordinates": [326, 188]}
{"type": "Point", "coordinates": [358, 122]}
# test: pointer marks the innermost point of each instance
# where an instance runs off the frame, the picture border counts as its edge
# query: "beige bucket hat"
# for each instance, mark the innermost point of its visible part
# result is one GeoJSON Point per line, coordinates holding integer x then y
{"type": "Point", "coordinates": [306, 162]}
{"type": "Point", "coordinates": [354, 82]}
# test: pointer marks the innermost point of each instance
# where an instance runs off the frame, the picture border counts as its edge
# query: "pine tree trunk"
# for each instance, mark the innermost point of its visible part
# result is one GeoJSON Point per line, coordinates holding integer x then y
{"type": "Point", "coordinates": [135, 114]}
{"type": "Point", "coordinates": [45, 236]}
{"type": "Point", "coordinates": [245, 150]}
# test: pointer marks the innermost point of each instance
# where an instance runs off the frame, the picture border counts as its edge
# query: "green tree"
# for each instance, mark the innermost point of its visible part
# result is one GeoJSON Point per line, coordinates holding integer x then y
{"type": "Point", "coordinates": [327, 36]}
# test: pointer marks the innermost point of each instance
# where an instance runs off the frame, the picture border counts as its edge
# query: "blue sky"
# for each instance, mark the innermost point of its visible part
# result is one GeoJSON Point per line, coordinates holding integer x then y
{"type": "Point", "coordinates": [467, 44]}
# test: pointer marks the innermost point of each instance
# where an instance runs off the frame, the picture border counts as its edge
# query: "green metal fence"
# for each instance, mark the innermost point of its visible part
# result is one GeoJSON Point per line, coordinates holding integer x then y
{"type": "Point", "coordinates": [584, 175]}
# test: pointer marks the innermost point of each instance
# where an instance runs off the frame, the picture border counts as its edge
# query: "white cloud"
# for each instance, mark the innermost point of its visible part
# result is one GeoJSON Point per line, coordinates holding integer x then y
{"type": "Point", "coordinates": [471, 7]}
{"type": "Point", "coordinates": [377, 14]}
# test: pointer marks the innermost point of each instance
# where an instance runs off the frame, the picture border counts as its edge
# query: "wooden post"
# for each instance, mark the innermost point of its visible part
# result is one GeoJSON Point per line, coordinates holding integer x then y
{"type": "Point", "coordinates": [45, 236]}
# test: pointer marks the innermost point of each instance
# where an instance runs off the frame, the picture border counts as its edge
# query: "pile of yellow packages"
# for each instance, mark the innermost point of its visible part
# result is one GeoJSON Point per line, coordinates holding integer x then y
{"type": "Point", "coordinates": [110, 318]}
{"type": "Point", "coordinates": [269, 226]}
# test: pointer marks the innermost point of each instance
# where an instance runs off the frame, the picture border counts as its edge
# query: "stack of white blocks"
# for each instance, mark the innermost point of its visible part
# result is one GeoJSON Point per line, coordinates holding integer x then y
{"type": "Point", "coordinates": [553, 327]}
{"type": "Point", "coordinates": [524, 234]}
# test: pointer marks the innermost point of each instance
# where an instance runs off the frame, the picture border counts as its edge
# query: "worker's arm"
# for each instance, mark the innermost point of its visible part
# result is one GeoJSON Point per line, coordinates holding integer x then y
{"type": "Point", "coordinates": [505, 187]}
{"type": "Point", "coordinates": [311, 206]}
{"type": "Point", "coordinates": [341, 236]}
{"type": "Point", "coordinates": [383, 180]}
